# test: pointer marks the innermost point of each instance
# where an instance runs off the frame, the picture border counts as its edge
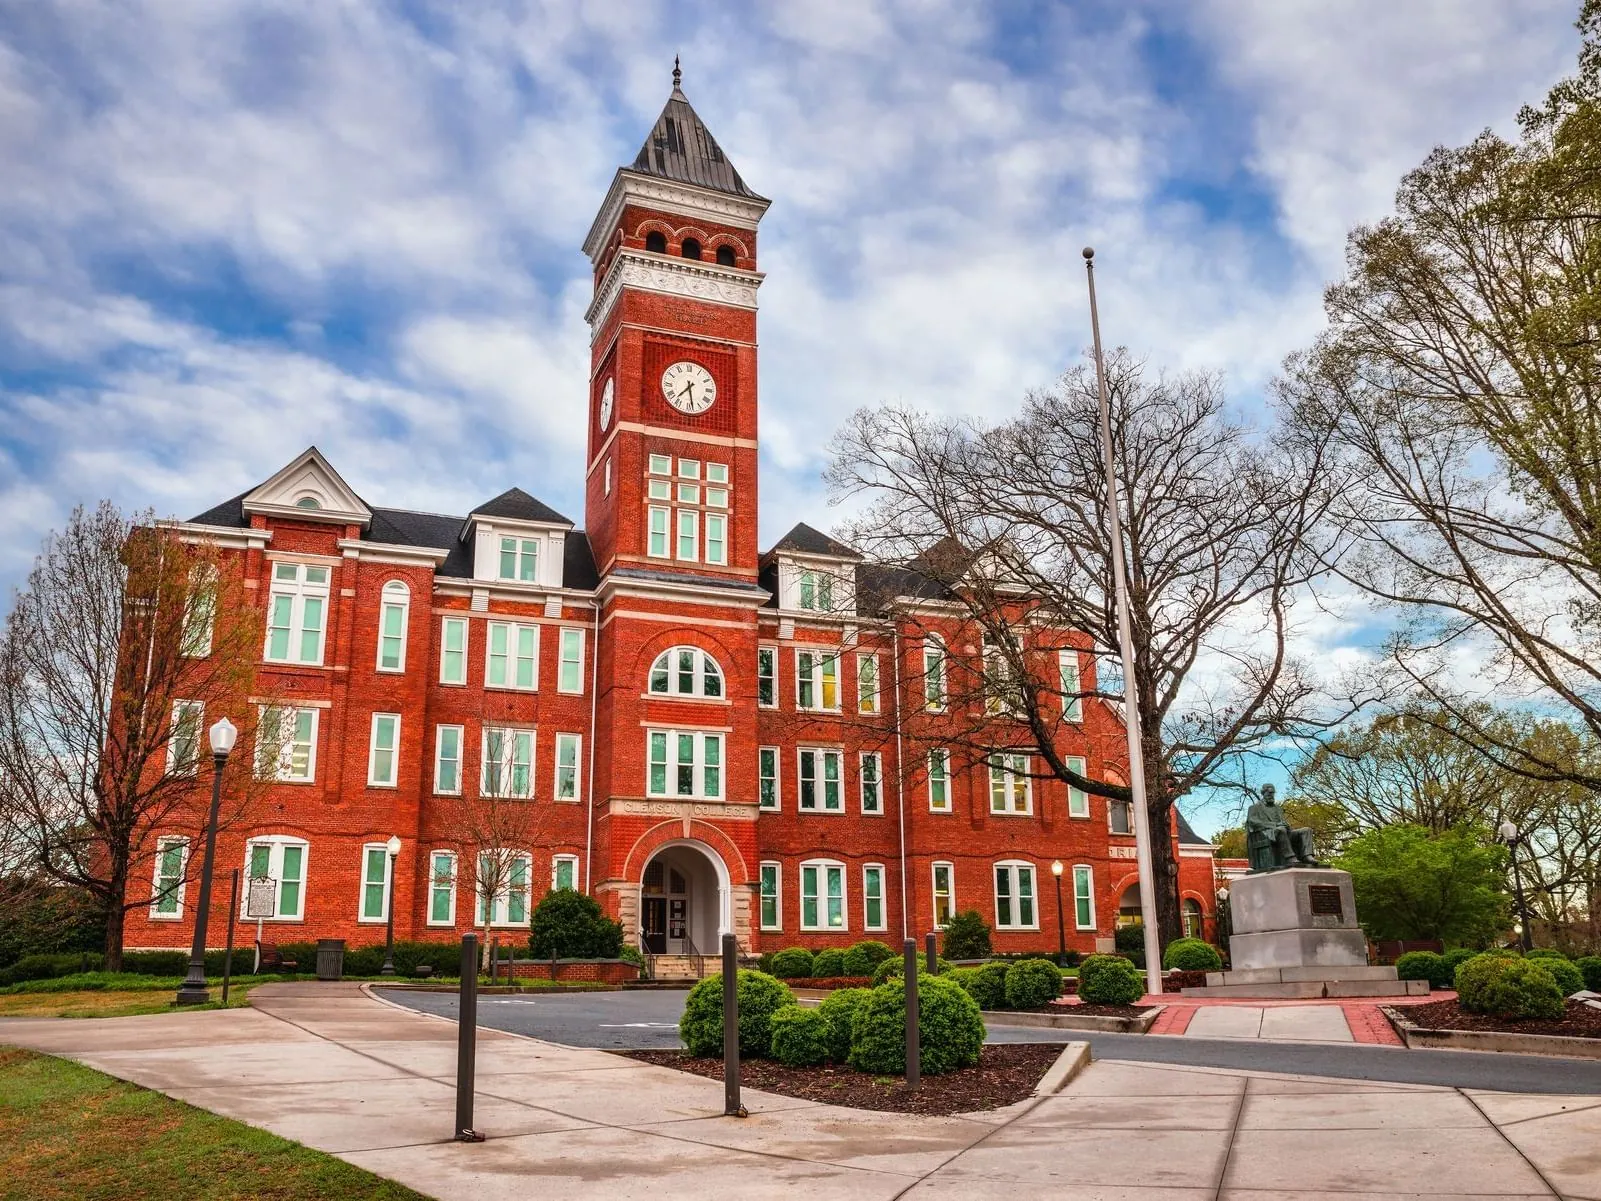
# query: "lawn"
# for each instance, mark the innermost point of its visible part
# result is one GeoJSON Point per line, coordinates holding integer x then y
{"type": "Point", "coordinates": [69, 1132]}
{"type": "Point", "coordinates": [109, 995]}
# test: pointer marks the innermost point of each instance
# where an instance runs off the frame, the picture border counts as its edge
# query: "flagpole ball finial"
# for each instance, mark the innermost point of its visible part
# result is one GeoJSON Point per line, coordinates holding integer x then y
{"type": "Point", "coordinates": [1089, 252]}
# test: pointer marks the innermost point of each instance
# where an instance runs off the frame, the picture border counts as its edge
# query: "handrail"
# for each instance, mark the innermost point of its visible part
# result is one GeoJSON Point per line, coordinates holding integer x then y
{"type": "Point", "coordinates": [650, 956]}
{"type": "Point", "coordinates": [694, 951]}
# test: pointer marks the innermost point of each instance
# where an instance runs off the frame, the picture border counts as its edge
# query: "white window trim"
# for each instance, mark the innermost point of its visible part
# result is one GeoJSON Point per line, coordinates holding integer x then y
{"type": "Point", "coordinates": [1112, 807]}
{"type": "Point", "coordinates": [878, 779]}
{"type": "Point", "coordinates": [778, 780]}
{"type": "Point", "coordinates": [276, 843]}
{"type": "Point", "coordinates": [461, 757]}
{"type": "Point", "coordinates": [466, 646]}
{"type": "Point", "coordinates": [519, 543]}
{"type": "Point", "coordinates": [555, 862]}
{"type": "Point", "coordinates": [509, 762]}
{"type": "Point", "coordinates": [372, 754]}
{"type": "Point", "coordinates": [433, 883]}
{"type": "Point", "coordinates": [513, 634]}
{"type": "Point", "coordinates": [699, 764]}
{"type": "Point", "coordinates": [578, 769]}
{"type": "Point", "coordinates": [933, 889]}
{"type": "Point", "coordinates": [821, 779]}
{"type": "Point", "coordinates": [935, 645]}
{"type": "Point", "coordinates": [778, 895]}
{"type": "Point", "coordinates": [1090, 873]}
{"type": "Point", "coordinates": [504, 896]}
{"type": "Point", "coordinates": [403, 603]}
{"type": "Point", "coordinates": [196, 640]}
{"type": "Point", "coordinates": [299, 591]}
{"type": "Point", "coordinates": [1072, 706]}
{"type": "Point", "coordinates": [667, 531]}
{"type": "Point", "coordinates": [883, 897]}
{"type": "Point", "coordinates": [772, 649]}
{"type": "Point", "coordinates": [823, 866]}
{"type": "Point", "coordinates": [285, 755]}
{"type": "Point", "coordinates": [561, 660]}
{"type": "Point", "coordinates": [1034, 892]}
{"type": "Point", "coordinates": [361, 888]}
{"type": "Point", "coordinates": [694, 536]}
{"type": "Point", "coordinates": [878, 687]}
{"type": "Point", "coordinates": [704, 660]}
{"type": "Point", "coordinates": [933, 805]}
{"type": "Point", "coordinates": [162, 843]}
{"type": "Point", "coordinates": [1009, 776]}
{"type": "Point", "coordinates": [722, 518]}
{"type": "Point", "coordinates": [192, 768]}
{"type": "Point", "coordinates": [819, 653]}
{"type": "Point", "coordinates": [1077, 763]}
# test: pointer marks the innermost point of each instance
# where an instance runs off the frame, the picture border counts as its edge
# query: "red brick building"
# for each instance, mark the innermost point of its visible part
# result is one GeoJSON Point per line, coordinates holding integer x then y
{"type": "Point", "coordinates": [707, 737]}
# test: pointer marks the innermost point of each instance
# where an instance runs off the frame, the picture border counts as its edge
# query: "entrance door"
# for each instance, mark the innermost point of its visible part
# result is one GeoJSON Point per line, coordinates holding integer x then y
{"type": "Point", "coordinates": [656, 925]}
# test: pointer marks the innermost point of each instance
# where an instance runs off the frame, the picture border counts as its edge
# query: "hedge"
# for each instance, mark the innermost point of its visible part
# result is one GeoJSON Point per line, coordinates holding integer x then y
{"type": "Point", "coordinates": [829, 963]}
{"type": "Point", "coordinates": [863, 957]}
{"type": "Point", "coordinates": [1508, 987]}
{"type": "Point", "coordinates": [949, 1027]}
{"type": "Point", "coordinates": [1453, 960]}
{"type": "Point", "coordinates": [1130, 941]}
{"type": "Point", "coordinates": [568, 924]}
{"type": "Point", "coordinates": [792, 963]}
{"type": "Point", "coordinates": [799, 1038]}
{"type": "Point", "coordinates": [1590, 966]}
{"type": "Point", "coordinates": [1032, 983]}
{"type": "Point", "coordinates": [986, 984]}
{"type": "Point", "coordinates": [760, 996]}
{"type": "Point", "coordinates": [1109, 980]}
{"type": "Point", "coordinates": [895, 967]}
{"type": "Point", "coordinates": [838, 1011]}
{"type": "Point", "coordinates": [1567, 975]}
{"type": "Point", "coordinates": [967, 936]}
{"type": "Point", "coordinates": [1192, 955]}
{"type": "Point", "coordinates": [1425, 965]}
{"type": "Point", "coordinates": [1545, 953]}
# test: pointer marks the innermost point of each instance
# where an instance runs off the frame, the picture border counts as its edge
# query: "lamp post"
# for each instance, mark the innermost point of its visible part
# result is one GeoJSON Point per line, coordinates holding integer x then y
{"type": "Point", "coordinates": [388, 968]}
{"type": "Point", "coordinates": [223, 735]}
{"type": "Point", "coordinates": [1061, 926]}
{"type": "Point", "coordinates": [1512, 836]}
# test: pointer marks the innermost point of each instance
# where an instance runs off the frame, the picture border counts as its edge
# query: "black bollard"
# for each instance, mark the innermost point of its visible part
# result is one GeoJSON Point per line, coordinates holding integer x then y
{"type": "Point", "coordinates": [913, 1044]}
{"type": "Point", "coordinates": [731, 1106]}
{"type": "Point", "coordinates": [467, 1041]}
{"type": "Point", "coordinates": [931, 947]}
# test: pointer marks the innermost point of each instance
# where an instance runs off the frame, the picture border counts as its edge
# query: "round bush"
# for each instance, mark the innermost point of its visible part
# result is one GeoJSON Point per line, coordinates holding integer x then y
{"type": "Point", "coordinates": [894, 967]}
{"type": "Point", "coordinates": [1508, 987]}
{"type": "Point", "coordinates": [570, 925]}
{"type": "Point", "coordinates": [839, 1011]}
{"type": "Point", "coordinates": [1590, 967]}
{"type": "Point", "coordinates": [986, 984]}
{"type": "Point", "coordinates": [1425, 965]}
{"type": "Point", "coordinates": [1192, 955]}
{"type": "Point", "coordinates": [760, 996]}
{"type": "Point", "coordinates": [967, 936]}
{"type": "Point", "coordinates": [949, 1028]}
{"type": "Point", "coordinates": [828, 964]}
{"type": "Point", "coordinates": [1567, 975]}
{"type": "Point", "coordinates": [1109, 980]}
{"type": "Point", "coordinates": [800, 1037]}
{"type": "Point", "coordinates": [1453, 960]}
{"type": "Point", "coordinates": [863, 957]}
{"type": "Point", "coordinates": [792, 963]}
{"type": "Point", "coordinates": [1130, 941]}
{"type": "Point", "coordinates": [1031, 983]}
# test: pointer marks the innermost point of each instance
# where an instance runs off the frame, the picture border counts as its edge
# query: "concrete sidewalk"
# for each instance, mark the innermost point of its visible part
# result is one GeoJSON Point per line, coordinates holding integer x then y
{"type": "Point", "coordinates": [340, 1071]}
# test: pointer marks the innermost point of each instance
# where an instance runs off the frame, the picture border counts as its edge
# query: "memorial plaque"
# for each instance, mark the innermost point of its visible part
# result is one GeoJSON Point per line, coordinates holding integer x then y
{"type": "Point", "coordinates": [262, 898]}
{"type": "Point", "coordinates": [1325, 900]}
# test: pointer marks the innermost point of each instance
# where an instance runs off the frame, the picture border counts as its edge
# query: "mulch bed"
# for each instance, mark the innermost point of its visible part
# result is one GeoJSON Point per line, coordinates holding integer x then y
{"type": "Point", "coordinates": [832, 982]}
{"type": "Point", "coordinates": [1580, 1021]}
{"type": "Point", "coordinates": [1006, 1072]}
{"type": "Point", "coordinates": [1111, 1011]}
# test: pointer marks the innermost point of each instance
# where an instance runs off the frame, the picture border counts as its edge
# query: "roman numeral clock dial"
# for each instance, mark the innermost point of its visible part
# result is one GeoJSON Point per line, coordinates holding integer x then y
{"type": "Point", "coordinates": [689, 387]}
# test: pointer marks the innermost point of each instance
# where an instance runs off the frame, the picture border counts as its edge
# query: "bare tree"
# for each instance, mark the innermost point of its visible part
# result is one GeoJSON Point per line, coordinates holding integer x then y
{"type": "Point", "coordinates": [1008, 522]}
{"type": "Point", "coordinates": [125, 640]}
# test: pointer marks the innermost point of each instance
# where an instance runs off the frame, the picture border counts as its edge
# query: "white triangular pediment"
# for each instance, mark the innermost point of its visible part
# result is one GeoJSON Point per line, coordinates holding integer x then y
{"type": "Point", "coordinates": [308, 489]}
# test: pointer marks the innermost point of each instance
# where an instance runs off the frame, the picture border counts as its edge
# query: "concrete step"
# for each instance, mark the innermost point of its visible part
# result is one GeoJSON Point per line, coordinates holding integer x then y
{"type": "Point", "coordinates": [1312, 989]}
{"type": "Point", "coordinates": [1300, 975]}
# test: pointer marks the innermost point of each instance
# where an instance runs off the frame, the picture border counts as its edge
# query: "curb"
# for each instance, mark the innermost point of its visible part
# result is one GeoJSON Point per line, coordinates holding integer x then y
{"type": "Point", "coordinates": [1075, 1057]}
{"type": "Point", "coordinates": [1490, 1040]}
{"type": "Point", "coordinates": [1095, 1022]}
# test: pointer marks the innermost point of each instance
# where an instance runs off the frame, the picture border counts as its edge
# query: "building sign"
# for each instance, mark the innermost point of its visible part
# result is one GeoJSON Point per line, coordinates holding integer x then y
{"type": "Point", "coordinates": [675, 918]}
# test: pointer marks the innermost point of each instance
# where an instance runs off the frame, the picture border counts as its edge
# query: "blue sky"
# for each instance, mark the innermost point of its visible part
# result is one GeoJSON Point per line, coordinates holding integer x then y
{"type": "Point", "coordinates": [230, 230]}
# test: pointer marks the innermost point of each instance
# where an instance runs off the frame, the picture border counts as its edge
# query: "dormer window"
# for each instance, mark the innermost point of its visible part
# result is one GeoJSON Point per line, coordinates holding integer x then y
{"type": "Point", "coordinates": [690, 249]}
{"type": "Point", "coordinates": [725, 256]}
{"type": "Point", "coordinates": [519, 559]}
{"type": "Point", "coordinates": [817, 591]}
{"type": "Point", "coordinates": [656, 242]}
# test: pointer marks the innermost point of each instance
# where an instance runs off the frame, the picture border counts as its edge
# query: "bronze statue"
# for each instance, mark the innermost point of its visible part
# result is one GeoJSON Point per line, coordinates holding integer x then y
{"type": "Point", "coordinates": [1270, 843]}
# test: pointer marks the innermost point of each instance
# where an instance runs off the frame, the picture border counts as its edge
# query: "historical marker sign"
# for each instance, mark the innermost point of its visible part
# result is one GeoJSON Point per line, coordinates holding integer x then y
{"type": "Point", "coordinates": [262, 898]}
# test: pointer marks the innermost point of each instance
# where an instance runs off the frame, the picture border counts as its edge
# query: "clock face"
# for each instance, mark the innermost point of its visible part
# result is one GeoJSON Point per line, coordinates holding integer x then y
{"type": "Point", "coordinates": [607, 396]}
{"type": "Point", "coordinates": [689, 387]}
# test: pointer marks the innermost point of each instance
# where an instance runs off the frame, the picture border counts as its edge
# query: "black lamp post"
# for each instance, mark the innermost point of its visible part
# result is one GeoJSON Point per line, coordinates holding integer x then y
{"type": "Point", "coordinates": [388, 968]}
{"type": "Point", "coordinates": [1513, 838]}
{"type": "Point", "coordinates": [1061, 925]}
{"type": "Point", "coordinates": [223, 735]}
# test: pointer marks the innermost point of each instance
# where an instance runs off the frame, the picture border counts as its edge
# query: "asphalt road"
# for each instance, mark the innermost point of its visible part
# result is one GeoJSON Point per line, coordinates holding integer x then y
{"type": "Point", "coordinates": [648, 1019]}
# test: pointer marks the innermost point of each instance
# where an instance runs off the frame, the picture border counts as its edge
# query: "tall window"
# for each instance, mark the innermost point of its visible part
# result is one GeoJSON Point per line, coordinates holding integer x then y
{"type": "Point", "coordinates": [819, 780]}
{"type": "Point", "coordinates": [1003, 692]}
{"type": "Point", "coordinates": [519, 559]}
{"type": "Point", "coordinates": [822, 895]}
{"type": "Point", "coordinates": [944, 894]}
{"type": "Point", "coordinates": [512, 660]}
{"type": "Point", "coordinates": [567, 748]}
{"type": "Point", "coordinates": [442, 889]}
{"type": "Point", "coordinates": [1072, 703]}
{"type": "Point", "coordinates": [167, 888]}
{"type": "Point", "coordinates": [772, 916]}
{"type": "Point", "coordinates": [297, 613]}
{"type": "Point", "coordinates": [570, 671]}
{"type": "Point", "coordinates": [447, 760]}
{"type": "Point", "coordinates": [767, 676]}
{"type": "Point", "coordinates": [453, 651]}
{"type": "Point", "coordinates": [684, 763]}
{"type": "Point", "coordinates": [873, 896]}
{"type": "Point", "coordinates": [657, 547]}
{"type": "Point", "coordinates": [867, 683]}
{"type": "Point", "coordinates": [1119, 817]}
{"type": "Point", "coordinates": [767, 777]}
{"type": "Point", "coordinates": [1078, 801]}
{"type": "Point", "coordinates": [374, 882]}
{"type": "Point", "coordinates": [816, 591]}
{"type": "Point", "coordinates": [939, 780]}
{"type": "Point", "coordinates": [393, 615]}
{"type": "Point", "coordinates": [697, 511]}
{"type": "Point", "coordinates": [508, 763]}
{"type": "Point", "coordinates": [183, 738]}
{"type": "Point", "coordinates": [716, 539]}
{"type": "Point", "coordinates": [872, 770]}
{"type": "Point", "coordinates": [381, 754]}
{"type": "Point", "coordinates": [1014, 896]}
{"type": "Point", "coordinates": [200, 611]}
{"type": "Point", "coordinates": [1083, 897]}
{"type": "Point", "coordinates": [934, 675]}
{"type": "Point", "coordinates": [513, 878]}
{"type": "Point", "coordinates": [286, 744]}
{"type": "Point", "coordinates": [283, 861]}
{"type": "Point", "coordinates": [564, 872]}
{"type": "Point", "coordinates": [817, 680]}
{"type": "Point", "coordinates": [1010, 786]}
{"type": "Point", "coordinates": [686, 671]}
{"type": "Point", "coordinates": [688, 534]}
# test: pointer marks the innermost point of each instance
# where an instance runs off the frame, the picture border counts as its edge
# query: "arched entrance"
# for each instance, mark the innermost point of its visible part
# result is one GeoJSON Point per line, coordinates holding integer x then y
{"type": "Point", "coordinates": [684, 901]}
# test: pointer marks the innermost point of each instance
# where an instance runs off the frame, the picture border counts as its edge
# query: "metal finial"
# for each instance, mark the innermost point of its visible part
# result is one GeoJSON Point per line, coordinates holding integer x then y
{"type": "Point", "coordinates": [678, 75]}
{"type": "Point", "coordinates": [1089, 252]}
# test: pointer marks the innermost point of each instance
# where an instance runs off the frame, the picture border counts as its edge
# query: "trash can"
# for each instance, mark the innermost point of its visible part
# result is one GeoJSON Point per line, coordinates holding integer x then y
{"type": "Point", "coordinates": [330, 958]}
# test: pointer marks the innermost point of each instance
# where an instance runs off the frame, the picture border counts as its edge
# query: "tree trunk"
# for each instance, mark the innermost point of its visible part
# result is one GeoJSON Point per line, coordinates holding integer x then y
{"type": "Point", "coordinates": [115, 915]}
{"type": "Point", "coordinates": [1164, 868]}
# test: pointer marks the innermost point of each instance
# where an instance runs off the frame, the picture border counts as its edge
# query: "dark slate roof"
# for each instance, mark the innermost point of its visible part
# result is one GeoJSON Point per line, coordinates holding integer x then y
{"type": "Point", "coordinates": [578, 562]}
{"type": "Point", "coordinates": [682, 577]}
{"type": "Point", "coordinates": [517, 505]}
{"type": "Point", "coordinates": [1187, 834]}
{"type": "Point", "coordinates": [681, 148]}
{"type": "Point", "coordinates": [230, 513]}
{"type": "Point", "coordinates": [877, 585]}
{"type": "Point", "coordinates": [808, 541]}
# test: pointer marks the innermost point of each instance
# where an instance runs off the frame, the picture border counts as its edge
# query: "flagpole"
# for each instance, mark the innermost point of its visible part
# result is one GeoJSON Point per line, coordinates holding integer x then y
{"type": "Point", "coordinates": [1131, 697]}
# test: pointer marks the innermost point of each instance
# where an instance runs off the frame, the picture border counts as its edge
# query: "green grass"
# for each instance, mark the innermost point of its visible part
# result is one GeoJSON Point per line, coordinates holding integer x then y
{"type": "Point", "coordinates": [68, 1132]}
{"type": "Point", "coordinates": [114, 994]}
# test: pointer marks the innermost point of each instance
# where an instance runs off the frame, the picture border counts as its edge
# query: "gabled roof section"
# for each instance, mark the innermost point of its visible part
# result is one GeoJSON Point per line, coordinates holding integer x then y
{"type": "Point", "coordinates": [308, 489]}
{"type": "Point", "coordinates": [516, 505]}
{"type": "Point", "coordinates": [1187, 835]}
{"type": "Point", "coordinates": [805, 540]}
{"type": "Point", "coordinates": [681, 148]}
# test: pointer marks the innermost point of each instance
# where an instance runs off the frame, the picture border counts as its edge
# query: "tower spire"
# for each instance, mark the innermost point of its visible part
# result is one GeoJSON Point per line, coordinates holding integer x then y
{"type": "Point", "coordinates": [678, 74]}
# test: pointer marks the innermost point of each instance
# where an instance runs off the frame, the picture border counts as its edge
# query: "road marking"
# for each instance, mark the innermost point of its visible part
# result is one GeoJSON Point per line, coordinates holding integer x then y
{"type": "Point", "coordinates": [637, 1025]}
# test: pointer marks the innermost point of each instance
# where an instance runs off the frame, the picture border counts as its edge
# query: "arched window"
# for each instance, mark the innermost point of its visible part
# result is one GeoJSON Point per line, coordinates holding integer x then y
{"type": "Point", "coordinates": [308, 502]}
{"type": "Point", "coordinates": [691, 249]}
{"type": "Point", "coordinates": [725, 256]}
{"type": "Point", "coordinates": [686, 671]}
{"type": "Point", "coordinates": [392, 621]}
{"type": "Point", "coordinates": [1194, 922]}
{"type": "Point", "coordinates": [656, 242]}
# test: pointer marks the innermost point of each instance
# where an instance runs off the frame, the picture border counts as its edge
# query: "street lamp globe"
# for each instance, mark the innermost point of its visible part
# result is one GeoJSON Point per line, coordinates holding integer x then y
{"type": "Point", "coordinates": [1508, 830]}
{"type": "Point", "coordinates": [394, 844]}
{"type": "Point", "coordinates": [223, 736]}
{"type": "Point", "coordinates": [1056, 868]}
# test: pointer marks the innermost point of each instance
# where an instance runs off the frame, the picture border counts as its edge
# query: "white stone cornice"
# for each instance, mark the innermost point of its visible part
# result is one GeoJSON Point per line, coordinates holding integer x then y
{"type": "Point", "coordinates": [220, 535]}
{"type": "Point", "coordinates": [685, 199]}
{"type": "Point", "coordinates": [673, 277]}
{"type": "Point", "coordinates": [389, 552]}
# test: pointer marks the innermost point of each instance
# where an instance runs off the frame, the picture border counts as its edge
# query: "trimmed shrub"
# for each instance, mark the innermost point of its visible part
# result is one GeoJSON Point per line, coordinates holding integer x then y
{"type": "Point", "coordinates": [986, 984]}
{"type": "Point", "coordinates": [894, 967]}
{"type": "Point", "coordinates": [1032, 983]}
{"type": "Point", "coordinates": [1109, 980]}
{"type": "Point", "coordinates": [800, 1037]}
{"type": "Point", "coordinates": [1508, 987]}
{"type": "Point", "coordinates": [1590, 968]}
{"type": "Point", "coordinates": [967, 936]}
{"type": "Point", "coordinates": [792, 963]}
{"type": "Point", "coordinates": [1425, 965]}
{"type": "Point", "coordinates": [1192, 955]}
{"type": "Point", "coordinates": [862, 958]}
{"type": "Point", "coordinates": [629, 953]}
{"type": "Point", "coordinates": [838, 1011]}
{"type": "Point", "coordinates": [1453, 960]}
{"type": "Point", "coordinates": [760, 996]}
{"type": "Point", "coordinates": [1130, 942]}
{"type": "Point", "coordinates": [828, 963]}
{"type": "Point", "coordinates": [949, 1028]}
{"type": "Point", "coordinates": [1567, 975]}
{"type": "Point", "coordinates": [568, 924]}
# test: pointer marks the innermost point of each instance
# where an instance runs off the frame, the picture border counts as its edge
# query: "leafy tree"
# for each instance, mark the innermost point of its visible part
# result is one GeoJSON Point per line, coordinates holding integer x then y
{"type": "Point", "coordinates": [1411, 884]}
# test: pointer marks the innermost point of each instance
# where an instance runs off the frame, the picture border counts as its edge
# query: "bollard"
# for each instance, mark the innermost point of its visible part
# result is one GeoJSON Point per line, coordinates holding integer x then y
{"type": "Point", "coordinates": [467, 1041]}
{"type": "Point", "coordinates": [731, 1106]}
{"type": "Point", "coordinates": [233, 912]}
{"type": "Point", "coordinates": [913, 1044]}
{"type": "Point", "coordinates": [932, 949]}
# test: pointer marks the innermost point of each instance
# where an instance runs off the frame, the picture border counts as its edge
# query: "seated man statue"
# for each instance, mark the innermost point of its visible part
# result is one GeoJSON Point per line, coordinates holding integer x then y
{"type": "Point", "coordinates": [1270, 843]}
